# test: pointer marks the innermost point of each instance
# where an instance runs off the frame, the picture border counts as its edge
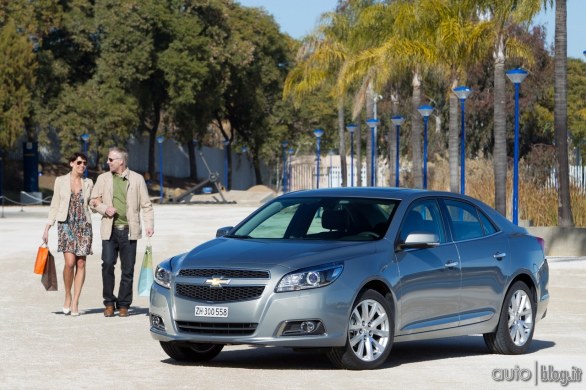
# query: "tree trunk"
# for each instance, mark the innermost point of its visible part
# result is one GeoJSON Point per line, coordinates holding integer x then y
{"type": "Point", "coordinates": [393, 141]}
{"type": "Point", "coordinates": [565, 218]}
{"type": "Point", "coordinates": [453, 137]}
{"type": "Point", "coordinates": [499, 154]}
{"type": "Point", "coordinates": [369, 115]}
{"type": "Point", "coordinates": [342, 149]}
{"type": "Point", "coordinates": [416, 131]}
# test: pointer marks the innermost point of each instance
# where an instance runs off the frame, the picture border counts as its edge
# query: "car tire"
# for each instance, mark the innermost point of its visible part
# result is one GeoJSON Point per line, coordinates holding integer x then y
{"type": "Point", "coordinates": [516, 324]}
{"type": "Point", "coordinates": [191, 352]}
{"type": "Point", "coordinates": [370, 334]}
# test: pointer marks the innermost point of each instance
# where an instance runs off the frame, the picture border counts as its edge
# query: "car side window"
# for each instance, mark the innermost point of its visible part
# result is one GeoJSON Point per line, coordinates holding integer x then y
{"type": "Point", "coordinates": [464, 220]}
{"type": "Point", "coordinates": [423, 217]}
{"type": "Point", "coordinates": [488, 226]}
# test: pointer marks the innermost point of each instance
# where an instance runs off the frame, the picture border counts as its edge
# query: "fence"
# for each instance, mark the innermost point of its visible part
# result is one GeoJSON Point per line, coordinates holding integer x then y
{"type": "Point", "coordinates": [577, 178]}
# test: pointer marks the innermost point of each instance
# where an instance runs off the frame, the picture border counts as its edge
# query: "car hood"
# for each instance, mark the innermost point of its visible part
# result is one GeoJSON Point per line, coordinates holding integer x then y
{"type": "Point", "coordinates": [264, 253]}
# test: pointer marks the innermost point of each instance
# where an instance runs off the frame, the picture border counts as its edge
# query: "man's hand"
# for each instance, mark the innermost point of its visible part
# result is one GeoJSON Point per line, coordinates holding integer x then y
{"type": "Point", "coordinates": [150, 232]}
{"type": "Point", "coordinates": [111, 211]}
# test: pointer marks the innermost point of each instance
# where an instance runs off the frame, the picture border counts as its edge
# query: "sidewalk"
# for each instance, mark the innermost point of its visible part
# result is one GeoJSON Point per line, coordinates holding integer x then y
{"type": "Point", "coordinates": [44, 349]}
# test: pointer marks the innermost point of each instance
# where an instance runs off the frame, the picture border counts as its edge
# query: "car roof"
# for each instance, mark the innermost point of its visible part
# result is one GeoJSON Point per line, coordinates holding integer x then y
{"type": "Point", "coordinates": [375, 192]}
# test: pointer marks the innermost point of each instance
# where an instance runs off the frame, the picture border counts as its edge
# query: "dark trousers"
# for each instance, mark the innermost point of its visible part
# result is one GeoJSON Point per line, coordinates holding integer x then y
{"type": "Point", "coordinates": [118, 244]}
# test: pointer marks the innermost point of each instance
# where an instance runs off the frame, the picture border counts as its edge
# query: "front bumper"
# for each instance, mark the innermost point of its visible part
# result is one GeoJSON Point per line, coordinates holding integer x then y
{"type": "Point", "coordinates": [266, 317]}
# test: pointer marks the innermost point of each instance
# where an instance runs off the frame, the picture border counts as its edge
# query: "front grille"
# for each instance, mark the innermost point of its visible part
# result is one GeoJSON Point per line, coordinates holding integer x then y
{"type": "Point", "coordinates": [213, 328]}
{"type": "Point", "coordinates": [226, 273]}
{"type": "Point", "coordinates": [219, 294]}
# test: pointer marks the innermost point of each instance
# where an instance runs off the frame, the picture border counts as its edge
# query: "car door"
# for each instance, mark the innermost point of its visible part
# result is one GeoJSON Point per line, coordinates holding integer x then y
{"type": "Point", "coordinates": [483, 251]}
{"type": "Point", "coordinates": [429, 287]}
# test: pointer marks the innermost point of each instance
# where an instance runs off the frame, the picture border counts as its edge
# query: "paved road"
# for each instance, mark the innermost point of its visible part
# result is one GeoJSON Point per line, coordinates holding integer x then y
{"type": "Point", "coordinates": [42, 348]}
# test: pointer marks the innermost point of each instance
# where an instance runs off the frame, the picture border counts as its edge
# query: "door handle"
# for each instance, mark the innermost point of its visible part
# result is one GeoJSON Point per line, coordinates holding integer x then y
{"type": "Point", "coordinates": [499, 255]}
{"type": "Point", "coordinates": [451, 264]}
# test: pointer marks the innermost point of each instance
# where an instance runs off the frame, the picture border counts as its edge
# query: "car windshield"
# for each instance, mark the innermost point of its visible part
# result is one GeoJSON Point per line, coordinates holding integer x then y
{"type": "Point", "coordinates": [310, 218]}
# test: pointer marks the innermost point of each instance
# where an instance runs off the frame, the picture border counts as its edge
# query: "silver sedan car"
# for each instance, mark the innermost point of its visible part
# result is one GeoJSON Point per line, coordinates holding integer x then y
{"type": "Point", "coordinates": [350, 271]}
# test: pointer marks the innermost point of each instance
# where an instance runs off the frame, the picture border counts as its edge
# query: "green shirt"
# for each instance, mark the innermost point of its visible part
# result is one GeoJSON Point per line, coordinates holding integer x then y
{"type": "Point", "coordinates": [119, 200]}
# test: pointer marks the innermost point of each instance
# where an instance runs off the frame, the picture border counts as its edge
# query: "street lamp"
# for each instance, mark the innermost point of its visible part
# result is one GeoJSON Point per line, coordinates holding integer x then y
{"type": "Point", "coordinates": [284, 144]}
{"type": "Point", "coordinates": [85, 137]}
{"type": "Point", "coordinates": [462, 93]}
{"type": "Point", "coordinates": [425, 112]}
{"type": "Point", "coordinates": [397, 121]}
{"type": "Point", "coordinates": [516, 76]}
{"type": "Point", "coordinates": [318, 133]}
{"type": "Point", "coordinates": [373, 124]}
{"type": "Point", "coordinates": [351, 128]}
{"type": "Point", "coordinates": [160, 140]}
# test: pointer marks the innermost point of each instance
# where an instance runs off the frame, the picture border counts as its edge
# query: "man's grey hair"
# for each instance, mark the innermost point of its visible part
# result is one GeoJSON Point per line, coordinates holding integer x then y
{"type": "Point", "coordinates": [122, 152]}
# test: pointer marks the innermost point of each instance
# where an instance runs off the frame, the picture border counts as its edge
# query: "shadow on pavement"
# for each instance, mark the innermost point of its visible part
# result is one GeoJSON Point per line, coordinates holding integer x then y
{"type": "Point", "coordinates": [279, 358]}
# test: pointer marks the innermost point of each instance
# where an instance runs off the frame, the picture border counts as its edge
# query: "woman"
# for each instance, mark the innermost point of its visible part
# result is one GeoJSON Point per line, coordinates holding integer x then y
{"type": "Point", "coordinates": [69, 207]}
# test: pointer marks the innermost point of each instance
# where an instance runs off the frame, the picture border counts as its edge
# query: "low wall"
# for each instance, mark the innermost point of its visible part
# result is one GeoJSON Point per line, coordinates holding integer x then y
{"type": "Point", "coordinates": [561, 241]}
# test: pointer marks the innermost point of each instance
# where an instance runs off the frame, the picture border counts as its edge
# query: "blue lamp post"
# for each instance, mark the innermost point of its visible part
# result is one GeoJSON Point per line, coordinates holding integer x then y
{"type": "Point", "coordinates": [284, 144]}
{"type": "Point", "coordinates": [85, 137]}
{"type": "Point", "coordinates": [351, 128]}
{"type": "Point", "coordinates": [373, 124]}
{"type": "Point", "coordinates": [289, 171]}
{"type": "Point", "coordinates": [516, 76]}
{"type": "Point", "coordinates": [160, 140]}
{"type": "Point", "coordinates": [318, 133]}
{"type": "Point", "coordinates": [425, 112]}
{"type": "Point", "coordinates": [462, 93]}
{"type": "Point", "coordinates": [397, 121]}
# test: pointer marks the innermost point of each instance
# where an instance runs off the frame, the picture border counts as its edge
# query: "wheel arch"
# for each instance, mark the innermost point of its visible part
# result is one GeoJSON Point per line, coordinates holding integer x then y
{"type": "Point", "coordinates": [529, 282]}
{"type": "Point", "coordinates": [383, 289]}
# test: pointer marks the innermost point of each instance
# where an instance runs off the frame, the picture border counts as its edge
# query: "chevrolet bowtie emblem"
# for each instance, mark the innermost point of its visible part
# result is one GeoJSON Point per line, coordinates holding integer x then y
{"type": "Point", "coordinates": [216, 282]}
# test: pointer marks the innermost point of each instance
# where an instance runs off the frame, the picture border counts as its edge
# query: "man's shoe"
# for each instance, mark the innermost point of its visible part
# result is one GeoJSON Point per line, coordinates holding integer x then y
{"type": "Point", "coordinates": [123, 312]}
{"type": "Point", "coordinates": [109, 311]}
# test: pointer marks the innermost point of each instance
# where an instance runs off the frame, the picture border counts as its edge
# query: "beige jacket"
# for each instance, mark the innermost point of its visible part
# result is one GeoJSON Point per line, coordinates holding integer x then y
{"type": "Point", "coordinates": [137, 199]}
{"type": "Point", "coordinates": [59, 207]}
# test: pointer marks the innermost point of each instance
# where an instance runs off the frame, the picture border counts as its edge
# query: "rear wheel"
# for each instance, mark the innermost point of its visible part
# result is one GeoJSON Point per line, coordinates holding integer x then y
{"type": "Point", "coordinates": [515, 328]}
{"type": "Point", "coordinates": [370, 334]}
{"type": "Point", "coordinates": [191, 352]}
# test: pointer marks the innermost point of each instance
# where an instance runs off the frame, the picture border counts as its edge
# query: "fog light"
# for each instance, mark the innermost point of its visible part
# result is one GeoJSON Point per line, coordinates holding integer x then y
{"type": "Point", "coordinates": [157, 322]}
{"type": "Point", "coordinates": [302, 328]}
{"type": "Point", "coordinates": [307, 326]}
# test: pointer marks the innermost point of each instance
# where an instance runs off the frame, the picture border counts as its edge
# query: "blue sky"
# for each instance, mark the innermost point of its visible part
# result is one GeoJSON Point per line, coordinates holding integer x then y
{"type": "Point", "coordinates": [298, 18]}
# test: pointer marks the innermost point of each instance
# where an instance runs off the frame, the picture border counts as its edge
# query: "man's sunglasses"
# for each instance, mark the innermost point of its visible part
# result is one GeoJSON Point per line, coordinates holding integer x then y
{"type": "Point", "coordinates": [79, 162]}
{"type": "Point", "coordinates": [112, 159]}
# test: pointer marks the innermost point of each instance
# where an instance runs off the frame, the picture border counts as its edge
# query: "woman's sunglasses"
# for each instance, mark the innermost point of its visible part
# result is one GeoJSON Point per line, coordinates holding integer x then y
{"type": "Point", "coordinates": [79, 162]}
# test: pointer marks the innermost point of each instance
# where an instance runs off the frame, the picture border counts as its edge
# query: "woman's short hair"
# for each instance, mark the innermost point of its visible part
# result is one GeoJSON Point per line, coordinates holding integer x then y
{"type": "Point", "coordinates": [77, 155]}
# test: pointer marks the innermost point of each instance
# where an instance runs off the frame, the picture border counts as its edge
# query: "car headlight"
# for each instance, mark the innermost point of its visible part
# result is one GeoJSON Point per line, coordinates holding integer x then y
{"type": "Point", "coordinates": [163, 274]}
{"type": "Point", "coordinates": [310, 278]}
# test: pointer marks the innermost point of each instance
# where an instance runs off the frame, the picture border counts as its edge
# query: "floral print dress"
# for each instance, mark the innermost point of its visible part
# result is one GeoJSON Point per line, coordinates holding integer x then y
{"type": "Point", "coordinates": [75, 234]}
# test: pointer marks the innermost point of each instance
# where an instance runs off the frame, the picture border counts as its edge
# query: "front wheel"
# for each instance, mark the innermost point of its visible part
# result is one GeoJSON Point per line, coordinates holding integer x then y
{"type": "Point", "coordinates": [516, 324]}
{"type": "Point", "coordinates": [191, 352]}
{"type": "Point", "coordinates": [370, 334]}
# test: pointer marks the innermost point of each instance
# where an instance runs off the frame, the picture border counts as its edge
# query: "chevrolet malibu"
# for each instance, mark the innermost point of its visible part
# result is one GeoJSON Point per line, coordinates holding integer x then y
{"type": "Point", "coordinates": [351, 271]}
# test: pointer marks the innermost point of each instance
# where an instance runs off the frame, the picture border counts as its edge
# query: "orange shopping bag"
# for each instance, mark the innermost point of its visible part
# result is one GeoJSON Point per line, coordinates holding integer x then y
{"type": "Point", "coordinates": [41, 260]}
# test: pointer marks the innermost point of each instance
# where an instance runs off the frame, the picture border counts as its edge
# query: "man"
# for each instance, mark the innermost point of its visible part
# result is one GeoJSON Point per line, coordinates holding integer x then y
{"type": "Point", "coordinates": [119, 196]}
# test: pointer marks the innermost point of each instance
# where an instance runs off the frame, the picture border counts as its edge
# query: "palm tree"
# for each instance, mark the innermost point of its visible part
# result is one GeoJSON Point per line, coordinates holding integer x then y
{"type": "Point", "coordinates": [565, 218]}
{"type": "Point", "coordinates": [459, 42]}
{"type": "Point", "coordinates": [320, 59]}
{"type": "Point", "coordinates": [502, 14]}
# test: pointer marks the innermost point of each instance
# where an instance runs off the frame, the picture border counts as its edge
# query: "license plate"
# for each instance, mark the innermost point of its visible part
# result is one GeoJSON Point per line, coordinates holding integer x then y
{"type": "Point", "coordinates": [211, 311]}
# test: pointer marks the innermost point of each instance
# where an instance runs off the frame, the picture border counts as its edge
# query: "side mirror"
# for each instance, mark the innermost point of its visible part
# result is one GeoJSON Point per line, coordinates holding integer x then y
{"type": "Point", "coordinates": [223, 231]}
{"type": "Point", "coordinates": [420, 240]}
